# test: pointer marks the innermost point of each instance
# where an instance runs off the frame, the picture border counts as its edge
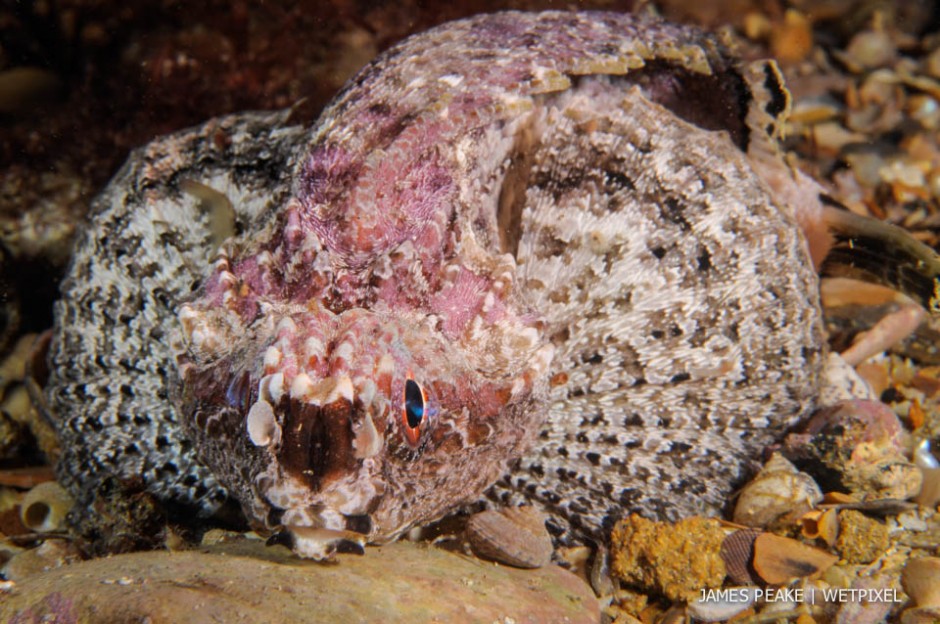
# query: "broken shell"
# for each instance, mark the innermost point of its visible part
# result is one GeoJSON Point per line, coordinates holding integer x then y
{"type": "Point", "coordinates": [217, 207]}
{"type": "Point", "coordinates": [932, 64]}
{"type": "Point", "coordinates": [921, 581]}
{"type": "Point", "coordinates": [779, 559]}
{"type": "Point", "coordinates": [778, 494]}
{"type": "Point", "coordinates": [929, 495]}
{"type": "Point", "coordinates": [515, 536]}
{"type": "Point", "coordinates": [44, 507]}
{"type": "Point", "coordinates": [821, 524]}
{"type": "Point", "coordinates": [720, 610]}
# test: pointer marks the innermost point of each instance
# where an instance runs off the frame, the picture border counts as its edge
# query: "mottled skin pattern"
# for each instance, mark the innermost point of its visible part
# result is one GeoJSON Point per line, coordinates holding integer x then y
{"type": "Point", "coordinates": [548, 222]}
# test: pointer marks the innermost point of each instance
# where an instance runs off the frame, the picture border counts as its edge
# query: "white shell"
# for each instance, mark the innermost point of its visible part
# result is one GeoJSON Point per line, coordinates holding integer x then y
{"type": "Point", "coordinates": [727, 603]}
{"type": "Point", "coordinates": [44, 508]}
{"type": "Point", "coordinates": [262, 424]}
{"type": "Point", "coordinates": [779, 492]}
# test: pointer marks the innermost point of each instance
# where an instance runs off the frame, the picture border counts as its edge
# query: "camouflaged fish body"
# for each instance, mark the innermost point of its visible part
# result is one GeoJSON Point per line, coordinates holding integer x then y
{"type": "Point", "coordinates": [532, 236]}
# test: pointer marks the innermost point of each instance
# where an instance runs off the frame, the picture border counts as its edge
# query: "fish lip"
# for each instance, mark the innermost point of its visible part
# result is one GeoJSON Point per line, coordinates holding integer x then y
{"type": "Point", "coordinates": [318, 544]}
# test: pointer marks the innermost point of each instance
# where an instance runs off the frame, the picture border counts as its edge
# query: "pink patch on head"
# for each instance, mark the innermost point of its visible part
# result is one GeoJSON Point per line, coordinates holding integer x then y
{"type": "Point", "coordinates": [459, 302]}
{"type": "Point", "coordinates": [360, 207]}
{"type": "Point", "coordinates": [293, 232]}
{"type": "Point", "coordinates": [327, 173]}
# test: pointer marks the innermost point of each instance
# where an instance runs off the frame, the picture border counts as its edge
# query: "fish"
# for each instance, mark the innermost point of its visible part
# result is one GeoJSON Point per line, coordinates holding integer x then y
{"type": "Point", "coordinates": [534, 258]}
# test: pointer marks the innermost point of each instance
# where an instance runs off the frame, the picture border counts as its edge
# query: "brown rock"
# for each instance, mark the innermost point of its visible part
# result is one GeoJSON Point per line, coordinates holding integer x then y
{"type": "Point", "coordinates": [246, 582]}
{"type": "Point", "coordinates": [861, 539]}
{"type": "Point", "coordinates": [675, 560]}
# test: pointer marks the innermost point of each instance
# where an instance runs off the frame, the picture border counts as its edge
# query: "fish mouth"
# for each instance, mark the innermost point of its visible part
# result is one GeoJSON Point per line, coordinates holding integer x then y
{"type": "Point", "coordinates": [317, 443]}
{"type": "Point", "coordinates": [317, 454]}
{"type": "Point", "coordinates": [320, 543]}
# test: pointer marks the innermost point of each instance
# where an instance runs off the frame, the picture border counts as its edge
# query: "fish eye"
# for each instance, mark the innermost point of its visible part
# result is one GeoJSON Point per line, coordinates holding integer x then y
{"type": "Point", "coordinates": [413, 410]}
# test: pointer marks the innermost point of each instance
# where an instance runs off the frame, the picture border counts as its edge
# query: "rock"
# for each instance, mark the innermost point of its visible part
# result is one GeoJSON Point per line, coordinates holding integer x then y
{"type": "Point", "coordinates": [675, 560]}
{"type": "Point", "coordinates": [856, 446]}
{"type": "Point", "coordinates": [840, 382]}
{"type": "Point", "coordinates": [861, 539]}
{"type": "Point", "coordinates": [246, 582]}
{"type": "Point", "coordinates": [52, 553]}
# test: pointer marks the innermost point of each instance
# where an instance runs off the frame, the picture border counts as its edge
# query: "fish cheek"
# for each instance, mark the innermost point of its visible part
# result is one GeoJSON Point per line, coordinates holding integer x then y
{"type": "Point", "coordinates": [478, 431]}
{"type": "Point", "coordinates": [447, 442]}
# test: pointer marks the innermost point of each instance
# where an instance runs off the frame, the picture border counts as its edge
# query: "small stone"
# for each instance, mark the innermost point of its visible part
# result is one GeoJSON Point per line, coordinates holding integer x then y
{"type": "Point", "coordinates": [814, 110]}
{"type": "Point", "coordinates": [921, 581]}
{"type": "Point", "coordinates": [674, 560]}
{"type": "Point", "coordinates": [861, 539]}
{"type": "Point", "coordinates": [756, 25]}
{"type": "Point", "coordinates": [925, 110]}
{"type": "Point", "coordinates": [24, 89]}
{"type": "Point", "coordinates": [932, 64]}
{"type": "Point", "coordinates": [929, 495]}
{"type": "Point", "coordinates": [50, 554]}
{"type": "Point", "coordinates": [833, 136]}
{"type": "Point", "coordinates": [903, 172]}
{"type": "Point", "coordinates": [871, 49]}
{"type": "Point", "coordinates": [792, 41]}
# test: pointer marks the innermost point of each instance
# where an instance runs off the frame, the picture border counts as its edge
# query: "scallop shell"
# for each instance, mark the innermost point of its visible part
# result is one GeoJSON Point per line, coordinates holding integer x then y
{"type": "Point", "coordinates": [515, 536]}
{"type": "Point", "coordinates": [737, 551]}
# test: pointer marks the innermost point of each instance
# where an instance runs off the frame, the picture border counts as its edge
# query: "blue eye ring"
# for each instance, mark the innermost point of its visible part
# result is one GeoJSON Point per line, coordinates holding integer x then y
{"type": "Point", "coordinates": [414, 410]}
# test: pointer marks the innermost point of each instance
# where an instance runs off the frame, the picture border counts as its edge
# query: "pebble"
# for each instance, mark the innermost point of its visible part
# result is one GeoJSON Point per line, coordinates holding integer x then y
{"type": "Point", "coordinates": [870, 49]}
{"type": "Point", "coordinates": [861, 539]}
